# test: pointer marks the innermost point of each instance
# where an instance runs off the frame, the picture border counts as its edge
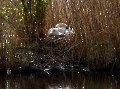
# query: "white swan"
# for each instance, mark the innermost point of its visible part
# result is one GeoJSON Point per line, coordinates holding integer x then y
{"type": "Point", "coordinates": [61, 30]}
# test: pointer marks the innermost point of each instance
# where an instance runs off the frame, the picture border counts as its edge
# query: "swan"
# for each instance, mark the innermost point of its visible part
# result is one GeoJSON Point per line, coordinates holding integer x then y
{"type": "Point", "coordinates": [61, 30]}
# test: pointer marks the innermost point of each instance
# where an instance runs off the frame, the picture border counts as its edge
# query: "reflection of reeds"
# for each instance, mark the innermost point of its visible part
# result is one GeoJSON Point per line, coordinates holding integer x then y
{"type": "Point", "coordinates": [66, 80]}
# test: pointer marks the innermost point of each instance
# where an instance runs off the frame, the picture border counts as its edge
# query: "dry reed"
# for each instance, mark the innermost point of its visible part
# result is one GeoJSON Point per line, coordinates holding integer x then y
{"type": "Point", "coordinates": [96, 23]}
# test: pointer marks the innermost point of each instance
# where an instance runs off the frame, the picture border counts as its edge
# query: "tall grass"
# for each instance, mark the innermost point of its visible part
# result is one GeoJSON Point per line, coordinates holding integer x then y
{"type": "Point", "coordinates": [21, 27]}
{"type": "Point", "coordinates": [96, 23]}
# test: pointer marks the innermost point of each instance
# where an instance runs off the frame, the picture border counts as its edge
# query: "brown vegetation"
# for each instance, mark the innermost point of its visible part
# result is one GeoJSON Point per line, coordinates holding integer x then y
{"type": "Point", "coordinates": [96, 24]}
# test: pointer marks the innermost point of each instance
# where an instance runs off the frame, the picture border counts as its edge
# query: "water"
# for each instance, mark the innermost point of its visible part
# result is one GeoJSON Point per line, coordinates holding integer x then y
{"type": "Point", "coordinates": [63, 80]}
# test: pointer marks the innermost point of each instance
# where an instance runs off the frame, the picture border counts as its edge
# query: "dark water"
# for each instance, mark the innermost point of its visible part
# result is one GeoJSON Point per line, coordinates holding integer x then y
{"type": "Point", "coordinates": [65, 80]}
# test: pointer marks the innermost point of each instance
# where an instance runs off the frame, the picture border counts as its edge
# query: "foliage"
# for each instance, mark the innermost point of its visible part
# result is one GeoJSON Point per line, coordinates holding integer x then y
{"type": "Point", "coordinates": [28, 13]}
{"type": "Point", "coordinates": [96, 25]}
{"type": "Point", "coordinates": [12, 9]}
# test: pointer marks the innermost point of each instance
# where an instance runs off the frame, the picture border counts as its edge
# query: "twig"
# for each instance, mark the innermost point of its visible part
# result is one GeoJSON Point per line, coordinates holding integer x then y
{"type": "Point", "coordinates": [113, 65]}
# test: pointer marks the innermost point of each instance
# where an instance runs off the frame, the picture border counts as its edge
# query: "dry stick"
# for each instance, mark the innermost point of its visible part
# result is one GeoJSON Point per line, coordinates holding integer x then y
{"type": "Point", "coordinates": [113, 65]}
{"type": "Point", "coordinates": [114, 78]}
{"type": "Point", "coordinates": [68, 49]}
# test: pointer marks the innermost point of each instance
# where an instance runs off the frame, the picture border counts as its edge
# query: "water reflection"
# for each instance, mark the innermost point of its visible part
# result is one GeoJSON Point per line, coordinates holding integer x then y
{"type": "Point", "coordinates": [63, 80]}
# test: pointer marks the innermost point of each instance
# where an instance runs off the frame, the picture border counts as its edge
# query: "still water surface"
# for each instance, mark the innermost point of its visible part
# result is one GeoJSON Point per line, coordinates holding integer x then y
{"type": "Point", "coordinates": [62, 80]}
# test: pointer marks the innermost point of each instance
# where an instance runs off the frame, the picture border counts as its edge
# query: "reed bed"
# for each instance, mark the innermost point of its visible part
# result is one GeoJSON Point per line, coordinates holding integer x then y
{"type": "Point", "coordinates": [96, 41]}
{"type": "Point", "coordinates": [96, 24]}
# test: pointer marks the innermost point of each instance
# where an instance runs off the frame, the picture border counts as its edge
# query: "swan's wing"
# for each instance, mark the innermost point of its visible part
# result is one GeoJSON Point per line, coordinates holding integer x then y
{"type": "Point", "coordinates": [67, 32]}
{"type": "Point", "coordinates": [62, 30]}
{"type": "Point", "coordinates": [61, 25]}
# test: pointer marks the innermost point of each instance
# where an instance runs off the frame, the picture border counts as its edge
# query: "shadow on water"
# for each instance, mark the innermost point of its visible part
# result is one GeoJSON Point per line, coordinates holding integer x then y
{"type": "Point", "coordinates": [62, 80]}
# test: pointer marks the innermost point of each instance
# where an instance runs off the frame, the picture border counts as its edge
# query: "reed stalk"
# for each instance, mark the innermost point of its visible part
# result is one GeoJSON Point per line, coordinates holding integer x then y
{"type": "Point", "coordinates": [96, 23]}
